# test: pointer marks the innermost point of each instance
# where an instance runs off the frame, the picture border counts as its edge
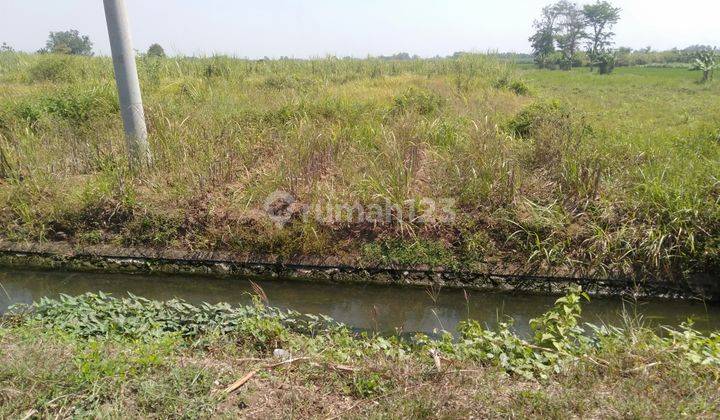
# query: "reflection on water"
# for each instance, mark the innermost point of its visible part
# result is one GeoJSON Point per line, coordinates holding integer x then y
{"type": "Point", "coordinates": [380, 308]}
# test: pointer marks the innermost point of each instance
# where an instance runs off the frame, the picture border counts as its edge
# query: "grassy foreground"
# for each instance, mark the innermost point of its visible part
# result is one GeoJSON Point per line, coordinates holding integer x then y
{"type": "Point", "coordinates": [546, 171]}
{"type": "Point", "coordinates": [98, 356]}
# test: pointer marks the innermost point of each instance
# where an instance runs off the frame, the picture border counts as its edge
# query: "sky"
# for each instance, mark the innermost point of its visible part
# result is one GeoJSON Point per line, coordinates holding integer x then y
{"type": "Point", "coordinates": [316, 28]}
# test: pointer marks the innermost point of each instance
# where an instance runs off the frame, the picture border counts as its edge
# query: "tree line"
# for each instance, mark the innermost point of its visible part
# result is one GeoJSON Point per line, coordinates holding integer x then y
{"type": "Point", "coordinates": [560, 33]}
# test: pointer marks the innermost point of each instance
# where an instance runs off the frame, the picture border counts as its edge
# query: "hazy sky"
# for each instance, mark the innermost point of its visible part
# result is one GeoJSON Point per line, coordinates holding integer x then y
{"type": "Point", "coordinates": [303, 28]}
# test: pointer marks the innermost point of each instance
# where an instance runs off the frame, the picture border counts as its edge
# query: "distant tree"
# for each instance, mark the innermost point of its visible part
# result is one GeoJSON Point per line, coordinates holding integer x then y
{"type": "Point", "coordinates": [600, 17]}
{"type": "Point", "coordinates": [693, 49]}
{"type": "Point", "coordinates": [156, 50]}
{"type": "Point", "coordinates": [562, 25]}
{"type": "Point", "coordinates": [543, 41]}
{"type": "Point", "coordinates": [622, 56]}
{"type": "Point", "coordinates": [570, 31]}
{"type": "Point", "coordinates": [6, 48]}
{"type": "Point", "coordinates": [402, 56]}
{"type": "Point", "coordinates": [68, 42]}
{"type": "Point", "coordinates": [624, 50]}
{"type": "Point", "coordinates": [706, 61]}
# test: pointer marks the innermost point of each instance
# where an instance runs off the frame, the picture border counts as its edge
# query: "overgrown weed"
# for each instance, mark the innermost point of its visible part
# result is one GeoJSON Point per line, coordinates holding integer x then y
{"type": "Point", "coordinates": [226, 133]}
{"type": "Point", "coordinates": [97, 355]}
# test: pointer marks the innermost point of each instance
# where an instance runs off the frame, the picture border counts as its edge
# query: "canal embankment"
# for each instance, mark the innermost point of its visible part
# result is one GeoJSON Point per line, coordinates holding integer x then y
{"type": "Point", "coordinates": [108, 259]}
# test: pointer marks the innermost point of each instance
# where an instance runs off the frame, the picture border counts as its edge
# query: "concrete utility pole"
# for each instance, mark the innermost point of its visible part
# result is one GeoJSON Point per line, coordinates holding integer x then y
{"type": "Point", "coordinates": [128, 84]}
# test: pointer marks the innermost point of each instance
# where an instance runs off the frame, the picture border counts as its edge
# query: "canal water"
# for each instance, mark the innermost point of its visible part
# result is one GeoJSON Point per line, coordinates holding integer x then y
{"type": "Point", "coordinates": [371, 307]}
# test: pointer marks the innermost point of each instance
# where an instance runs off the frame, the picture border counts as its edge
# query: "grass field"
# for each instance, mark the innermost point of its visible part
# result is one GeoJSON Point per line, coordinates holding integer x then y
{"type": "Point", "coordinates": [566, 172]}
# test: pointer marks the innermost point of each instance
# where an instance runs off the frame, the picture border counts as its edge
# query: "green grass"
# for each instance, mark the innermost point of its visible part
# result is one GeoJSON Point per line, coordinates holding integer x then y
{"type": "Point", "coordinates": [96, 356]}
{"type": "Point", "coordinates": [621, 177]}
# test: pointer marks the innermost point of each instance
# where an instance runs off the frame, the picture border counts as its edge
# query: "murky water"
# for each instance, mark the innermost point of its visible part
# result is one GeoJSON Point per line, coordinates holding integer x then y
{"type": "Point", "coordinates": [379, 308]}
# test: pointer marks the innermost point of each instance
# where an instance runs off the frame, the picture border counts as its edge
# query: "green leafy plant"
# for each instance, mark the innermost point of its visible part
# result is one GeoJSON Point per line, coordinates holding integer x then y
{"type": "Point", "coordinates": [101, 315]}
{"type": "Point", "coordinates": [695, 347]}
{"type": "Point", "coordinates": [706, 62]}
{"type": "Point", "coordinates": [558, 338]}
{"type": "Point", "coordinates": [368, 385]}
{"type": "Point", "coordinates": [605, 62]}
{"type": "Point", "coordinates": [559, 330]}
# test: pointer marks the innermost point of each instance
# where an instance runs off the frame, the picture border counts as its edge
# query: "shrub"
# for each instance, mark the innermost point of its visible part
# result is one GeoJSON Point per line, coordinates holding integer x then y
{"type": "Point", "coordinates": [519, 87]}
{"type": "Point", "coordinates": [422, 102]}
{"type": "Point", "coordinates": [537, 115]}
{"type": "Point", "coordinates": [54, 68]}
{"type": "Point", "coordinates": [75, 106]}
{"type": "Point", "coordinates": [79, 106]}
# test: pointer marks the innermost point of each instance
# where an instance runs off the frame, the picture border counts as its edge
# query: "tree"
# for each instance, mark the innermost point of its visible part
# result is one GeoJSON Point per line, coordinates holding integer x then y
{"type": "Point", "coordinates": [6, 48]}
{"type": "Point", "coordinates": [562, 24]}
{"type": "Point", "coordinates": [543, 41]}
{"type": "Point", "coordinates": [156, 50]}
{"type": "Point", "coordinates": [705, 62]}
{"type": "Point", "coordinates": [570, 30]}
{"type": "Point", "coordinates": [693, 49]}
{"type": "Point", "coordinates": [600, 17]}
{"type": "Point", "coordinates": [68, 42]}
